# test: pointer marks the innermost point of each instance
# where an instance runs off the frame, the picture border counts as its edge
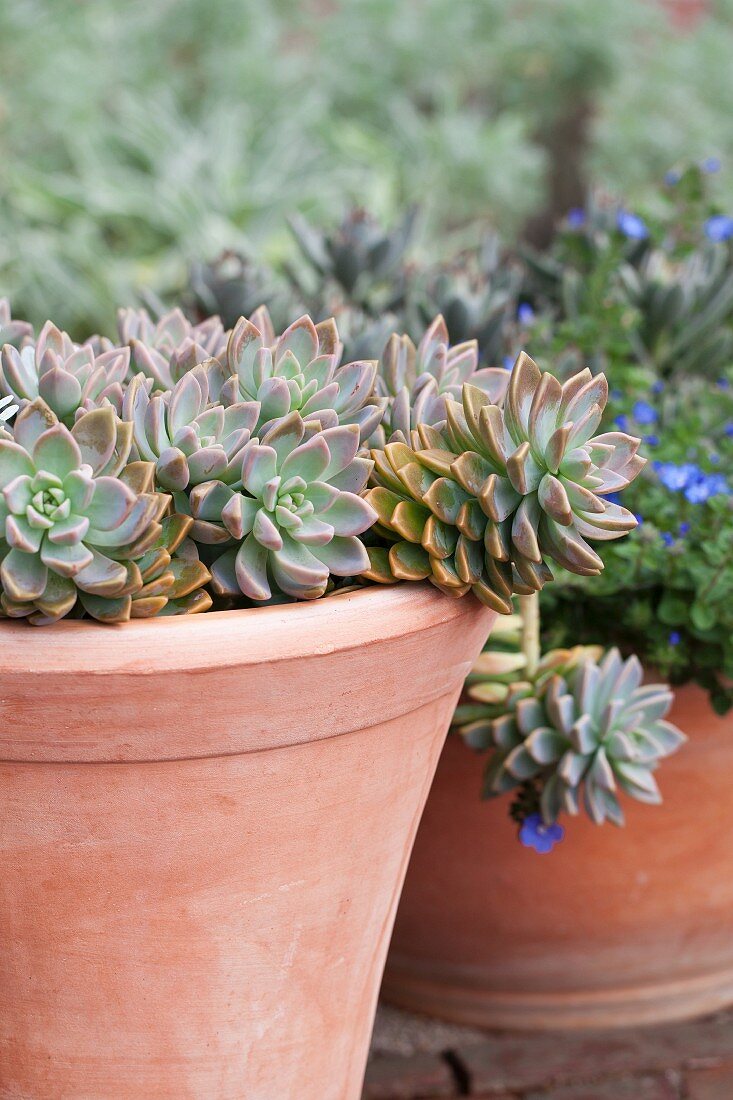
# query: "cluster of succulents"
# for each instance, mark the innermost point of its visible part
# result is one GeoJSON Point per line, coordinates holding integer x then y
{"type": "Point", "coordinates": [481, 502]}
{"type": "Point", "coordinates": [185, 463]}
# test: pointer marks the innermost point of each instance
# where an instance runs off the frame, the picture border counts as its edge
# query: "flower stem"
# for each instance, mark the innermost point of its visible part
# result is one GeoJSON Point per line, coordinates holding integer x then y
{"type": "Point", "coordinates": [529, 609]}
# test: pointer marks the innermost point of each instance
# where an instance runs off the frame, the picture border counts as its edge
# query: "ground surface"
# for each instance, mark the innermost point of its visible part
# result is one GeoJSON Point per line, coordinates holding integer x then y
{"type": "Point", "coordinates": [418, 1059]}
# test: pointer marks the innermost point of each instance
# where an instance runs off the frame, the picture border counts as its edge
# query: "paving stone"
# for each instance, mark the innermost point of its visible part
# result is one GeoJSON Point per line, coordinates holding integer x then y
{"type": "Point", "coordinates": [647, 1087]}
{"type": "Point", "coordinates": [422, 1076]}
{"type": "Point", "coordinates": [710, 1084]}
{"type": "Point", "coordinates": [513, 1062]}
{"type": "Point", "coordinates": [398, 1032]}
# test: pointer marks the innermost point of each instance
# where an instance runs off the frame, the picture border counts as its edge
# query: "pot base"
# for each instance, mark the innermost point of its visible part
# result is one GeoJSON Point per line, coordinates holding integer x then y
{"type": "Point", "coordinates": [453, 1000]}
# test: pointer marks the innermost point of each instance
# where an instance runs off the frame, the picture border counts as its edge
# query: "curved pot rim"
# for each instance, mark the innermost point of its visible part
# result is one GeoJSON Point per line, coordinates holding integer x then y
{"type": "Point", "coordinates": [222, 638]}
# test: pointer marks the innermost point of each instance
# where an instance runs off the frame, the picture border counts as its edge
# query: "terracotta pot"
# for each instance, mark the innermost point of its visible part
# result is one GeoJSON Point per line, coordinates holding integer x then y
{"type": "Point", "coordinates": [204, 828]}
{"type": "Point", "coordinates": [614, 928]}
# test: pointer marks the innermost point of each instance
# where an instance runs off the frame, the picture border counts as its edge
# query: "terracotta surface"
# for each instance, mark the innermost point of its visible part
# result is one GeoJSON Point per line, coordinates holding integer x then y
{"type": "Point", "coordinates": [614, 927]}
{"type": "Point", "coordinates": [204, 826]}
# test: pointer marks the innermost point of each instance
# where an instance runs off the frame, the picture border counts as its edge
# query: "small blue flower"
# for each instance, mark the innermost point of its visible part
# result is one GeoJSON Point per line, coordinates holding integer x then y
{"type": "Point", "coordinates": [675, 637]}
{"type": "Point", "coordinates": [684, 528]}
{"type": "Point", "coordinates": [525, 313]}
{"type": "Point", "coordinates": [729, 428]}
{"type": "Point", "coordinates": [658, 386]}
{"type": "Point", "coordinates": [639, 518]}
{"type": "Point", "coordinates": [674, 477]}
{"type": "Point", "coordinates": [631, 225]}
{"type": "Point", "coordinates": [672, 177]}
{"type": "Point", "coordinates": [613, 498]}
{"type": "Point", "coordinates": [621, 421]}
{"type": "Point", "coordinates": [616, 394]}
{"type": "Point", "coordinates": [711, 165]}
{"type": "Point", "coordinates": [508, 362]}
{"type": "Point", "coordinates": [535, 834]}
{"type": "Point", "coordinates": [723, 384]}
{"type": "Point", "coordinates": [644, 413]}
{"type": "Point", "coordinates": [651, 440]}
{"type": "Point", "coordinates": [576, 217]}
{"type": "Point", "coordinates": [719, 228]}
{"type": "Point", "coordinates": [706, 486]}
{"type": "Point", "coordinates": [715, 459]}
{"type": "Point", "coordinates": [667, 538]}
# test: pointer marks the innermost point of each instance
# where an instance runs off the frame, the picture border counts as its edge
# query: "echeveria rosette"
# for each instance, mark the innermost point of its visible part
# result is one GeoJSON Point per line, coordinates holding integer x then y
{"type": "Point", "coordinates": [584, 739]}
{"type": "Point", "coordinates": [415, 382]}
{"type": "Point", "coordinates": [166, 349]}
{"type": "Point", "coordinates": [190, 439]}
{"type": "Point", "coordinates": [171, 573]}
{"type": "Point", "coordinates": [74, 516]}
{"type": "Point", "coordinates": [297, 516]}
{"type": "Point", "coordinates": [299, 372]}
{"type": "Point", "coordinates": [70, 378]}
{"type": "Point", "coordinates": [483, 504]}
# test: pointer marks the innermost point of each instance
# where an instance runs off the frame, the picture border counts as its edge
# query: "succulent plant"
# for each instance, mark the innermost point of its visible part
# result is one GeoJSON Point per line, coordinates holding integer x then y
{"type": "Point", "coordinates": [476, 295]}
{"type": "Point", "coordinates": [233, 286]}
{"type": "Point", "coordinates": [69, 377]}
{"type": "Point", "coordinates": [12, 331]}
{"type": "Point", "coordinates": [166, 349]}
{"type": "Point", "coordinates": [583, 738]}
{"type": "Point", "coordinates": [189, 439]}
{"type": "Point", "coordinates": [296, 516]}
{"type": "Point", "coordinates": [299, 372]}
{"type": "Point", "coordinates": [480, 505]}
{"type": "Point", "coordinates": [74, 516]}
{"type": "Point", "coordinates": [416, 381]}
{"type": "Point", "coordinates": [358, 255]}
{"type": "Point", "coordinates": [172, 575]}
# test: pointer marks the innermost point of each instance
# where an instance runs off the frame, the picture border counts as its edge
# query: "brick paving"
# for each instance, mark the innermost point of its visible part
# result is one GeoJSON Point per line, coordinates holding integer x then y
{"type": "Point", "coordinates": [413, 1058]}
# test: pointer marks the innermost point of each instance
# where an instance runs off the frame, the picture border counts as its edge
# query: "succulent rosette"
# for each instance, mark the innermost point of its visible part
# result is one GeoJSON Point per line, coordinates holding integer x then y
{"type": "Point", "coordinates": [416, 381]}
{"type": "Point", "coordinates": [297, 516]}
{"type": "Point", "coordinates": [69, 377]}
{"type": "Point", "coordinates": [483, 503]}
{"type": "Point", "coordinates": [189, 439]}
{"type": "Point", "coordinates": [74, 516]}
{"type": "Point", "coordinates": [166, 349]}
{"type": "Point", "coordinates": [581, 739]}
{"type": "Point", "coordinates": [299, 372]}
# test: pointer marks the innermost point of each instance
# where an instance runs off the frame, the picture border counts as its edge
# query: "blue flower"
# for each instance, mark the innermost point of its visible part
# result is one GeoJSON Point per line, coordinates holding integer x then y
{"type": "Point", "coordinates": [651, 440]}
{"type": "Point", "coordinates": [684, 528]}
{"type": "Point", "coordinates": [676, 478]}
{"type": "Point", "coordinates": [576, 217]}
{"type": "Point", "coordinates": [723, 384]}
{"type": "Point", "coordinates": [616, 394]}
{"type": "Point", "coordinates": [525, 313]}
{"type": "Point", "coordinates": [658, 386]}
{"type": "Point", "coordinates": [508, 362]}
{"type": "Point", "coordinates": [535, 834]}
{"type": "Point", "coordinates": [719, 227]}
{"type": "Point", "coordinates": [729, 428]}
{"type": "Point", "coordinates": [631, 225]}
{"type": "Point", "coordinates": [706, 486]}
{"type": "Point", "coordinates": [667, 538]}
{"type": "Point", "coordinates": [621, 421]}
{"type": "Point", "coordinates": [613, 498]}
{"type": "Point", "coordinates": [639, 518]}
{"type": "Point", "coordinates": [644, 413]}
{"type": "Point", "coordinates": [711, 165]}
{"type": "Point", "coordinates": [675, 637]}
{"type": "Point", "coordinates": [714, 458]}
{"type": "Point", "coordinates": [672, 177]}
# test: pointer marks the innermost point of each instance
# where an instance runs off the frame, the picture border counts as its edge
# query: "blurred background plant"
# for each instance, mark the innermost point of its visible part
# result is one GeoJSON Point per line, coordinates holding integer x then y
{"type": "Point", "coordinates": [147, 137]}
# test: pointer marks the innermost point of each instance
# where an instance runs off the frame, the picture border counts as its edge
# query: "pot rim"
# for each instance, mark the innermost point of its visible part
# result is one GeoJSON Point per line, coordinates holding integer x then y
{"type": "Point", "coordinates": [221, 638]}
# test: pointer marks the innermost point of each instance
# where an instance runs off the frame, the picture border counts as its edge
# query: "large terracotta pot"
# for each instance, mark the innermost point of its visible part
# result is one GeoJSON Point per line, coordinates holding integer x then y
{"type": "Point", "coordinates": [204, 827]}
{"type": "Point", "coordinates": [615, 927]}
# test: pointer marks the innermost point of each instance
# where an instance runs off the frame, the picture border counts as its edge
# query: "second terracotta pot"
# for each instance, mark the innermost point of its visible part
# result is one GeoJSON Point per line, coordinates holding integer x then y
{"type": "Point", "coordinates": [613, 928]}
